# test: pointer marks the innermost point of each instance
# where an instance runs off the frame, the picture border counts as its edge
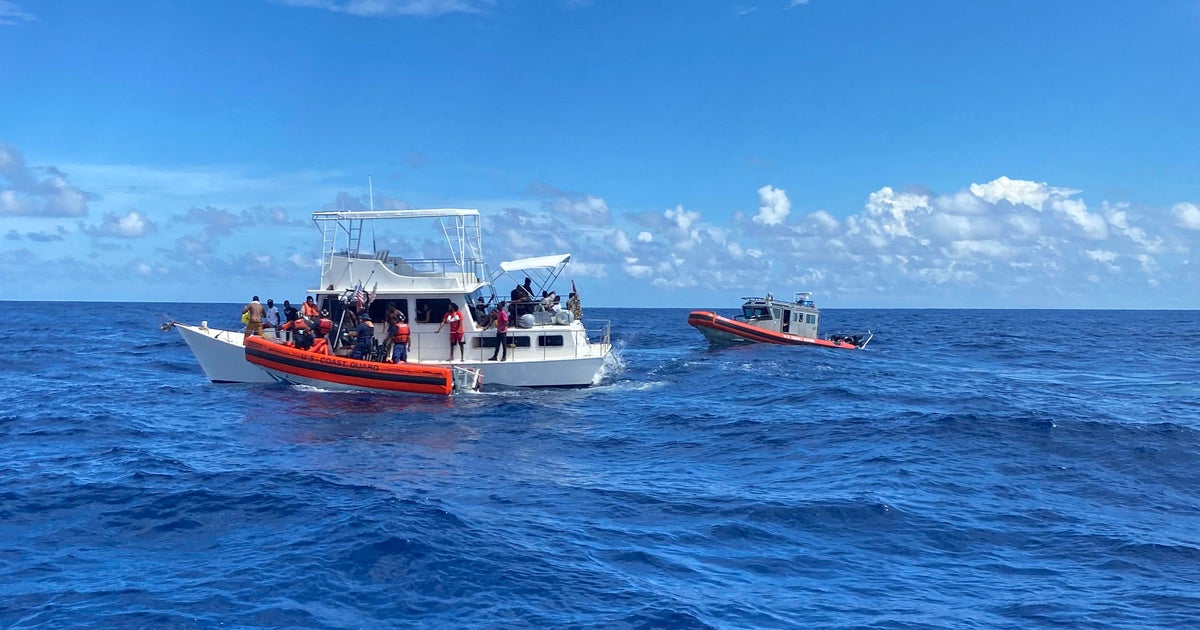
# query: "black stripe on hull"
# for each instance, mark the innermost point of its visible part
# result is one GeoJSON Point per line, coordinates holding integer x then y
{"type": "Point", "coordinates": [345, 371]}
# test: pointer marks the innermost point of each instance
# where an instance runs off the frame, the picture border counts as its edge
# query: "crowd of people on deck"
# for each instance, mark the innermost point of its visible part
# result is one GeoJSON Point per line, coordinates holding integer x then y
{"type": "Point", "coordinates": [312, 328]}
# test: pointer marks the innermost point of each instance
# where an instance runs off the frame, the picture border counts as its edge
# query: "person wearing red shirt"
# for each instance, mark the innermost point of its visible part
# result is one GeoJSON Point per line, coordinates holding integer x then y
{"type": "Point", "coordinates": [454, 317]}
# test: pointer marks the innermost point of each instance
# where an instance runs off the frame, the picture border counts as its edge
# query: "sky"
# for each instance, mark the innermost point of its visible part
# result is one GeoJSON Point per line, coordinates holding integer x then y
{"type": "Point", "coordinates": [879, 153]}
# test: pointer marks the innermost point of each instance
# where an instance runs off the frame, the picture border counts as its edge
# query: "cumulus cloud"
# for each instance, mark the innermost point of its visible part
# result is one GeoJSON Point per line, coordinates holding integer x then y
{"type": "Point", "coordinates": [576, 207]}
{"type": "Point", "coordinates": [37, 191]}
{"type": "Point", "coordinates": [773, 206]}
{"type": "Point", "coordinates": [682, 219]}
{"type": "Point", "coordinates": [394, 8]}
{"type": "Point", "coordinates": [132, 225]}
{"type": "Point", "coordinates": [1187, 215]}
{"type": "Point", "coordinates": [1016, 242]}
{"type": "Point", "coordinates": [37, 237]}
{"type": "Point", "coordinates": [587, 209]}
{"type": "Point", "coordinates": [1019, 192]}
{"type": "Point", "coordinates": [216, 223]}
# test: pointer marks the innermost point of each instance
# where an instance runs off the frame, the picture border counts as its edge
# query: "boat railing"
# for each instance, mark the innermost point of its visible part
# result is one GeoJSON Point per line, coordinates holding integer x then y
{"type": "Point", "coordinates": [426, 267]}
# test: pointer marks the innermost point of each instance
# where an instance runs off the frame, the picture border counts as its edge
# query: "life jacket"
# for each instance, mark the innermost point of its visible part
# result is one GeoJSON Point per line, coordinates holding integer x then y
{"type": "Point", "coordinates": [311, 310]}
{"type": "Point", "coordinates": [295, 324]}
{"type": "Point", "coordinates": [326, 325]}
{"type": "Point", "coordinates": [400, 332]}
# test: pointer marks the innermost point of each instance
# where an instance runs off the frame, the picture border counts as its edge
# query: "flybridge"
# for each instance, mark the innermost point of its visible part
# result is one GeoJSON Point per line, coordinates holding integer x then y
{"type": "Point", "coordinates": [343, 230]}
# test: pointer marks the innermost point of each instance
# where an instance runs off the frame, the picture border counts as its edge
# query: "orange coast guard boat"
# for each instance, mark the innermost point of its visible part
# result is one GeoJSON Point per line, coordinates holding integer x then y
{"type": "Point", "coordinates": [287, 363]}
{"type": "Point", "coordinates": [767, 320]}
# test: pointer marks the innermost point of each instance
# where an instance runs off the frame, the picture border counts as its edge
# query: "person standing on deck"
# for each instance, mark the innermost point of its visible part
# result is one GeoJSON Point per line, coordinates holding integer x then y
{"type": "Point", "coordinates": [398, 333]}
{"type": "Point", "coordinates": [574, 306]}
{"type": "Point", "coordinates": [271, 317]}
{"type": "Point", "coordinates": [454, 317]}
{"type": "Point", "coordinates": [363, 336]}
{"type": "Point", "coordinates": [501, 317]}
{"type": "Point", "coordinates": [254, 323]}
{"type": "Point", "coordinates": [289, 312]}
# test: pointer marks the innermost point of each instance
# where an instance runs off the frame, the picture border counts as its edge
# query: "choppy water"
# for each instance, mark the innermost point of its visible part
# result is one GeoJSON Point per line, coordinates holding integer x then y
{"type": "Point", "coordinates": [971, 469]}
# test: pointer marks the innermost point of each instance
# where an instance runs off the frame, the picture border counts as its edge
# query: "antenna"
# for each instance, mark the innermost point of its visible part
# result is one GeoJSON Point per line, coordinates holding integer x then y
{"type": "Point", "coordinates": [371, 188]}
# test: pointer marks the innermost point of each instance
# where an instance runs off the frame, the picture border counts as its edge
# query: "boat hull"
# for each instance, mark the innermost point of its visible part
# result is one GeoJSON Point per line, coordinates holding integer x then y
{"type": "Point", "coordinates": [723, 330]}
{"type": "Point", "coordinates": [221, 355]}
{"type": "Point", "coordinates": [289, 364]}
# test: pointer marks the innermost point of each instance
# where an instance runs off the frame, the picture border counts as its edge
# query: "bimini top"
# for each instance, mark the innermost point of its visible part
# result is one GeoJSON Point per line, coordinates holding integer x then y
{"type": "Point", "coordinates": [537, 262]}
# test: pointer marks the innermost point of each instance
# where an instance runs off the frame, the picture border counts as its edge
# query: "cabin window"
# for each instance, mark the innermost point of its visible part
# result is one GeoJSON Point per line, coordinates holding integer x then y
{"type": "Point", "coordinates": [379, 309]}
{"type": "Point", "coordinates": [431, 311]}
{"type": "Point", "coordinates": [550, 341]}
{"type": "Point", "coordinates": [812, 319]}
{"type": "Point", "coordinates": [777, 313]}
{"type": "Point", "coordinates": [490, 342]}
{"type": "Point", "coordinates": [754, 312]}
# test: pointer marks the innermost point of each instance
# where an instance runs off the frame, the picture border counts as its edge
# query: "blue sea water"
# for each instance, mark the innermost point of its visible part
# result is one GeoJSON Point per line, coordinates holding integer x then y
{"type": "Point", "coordinates": [970, 469]}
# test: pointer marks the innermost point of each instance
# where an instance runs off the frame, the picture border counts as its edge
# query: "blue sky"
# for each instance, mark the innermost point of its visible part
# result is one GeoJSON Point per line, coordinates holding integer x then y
{"type": "Point", "coordinates": [879, 153]}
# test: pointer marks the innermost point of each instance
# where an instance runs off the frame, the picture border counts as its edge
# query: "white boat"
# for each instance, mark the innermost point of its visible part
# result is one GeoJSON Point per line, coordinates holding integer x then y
{"type": "Point", "coordinates": [546, 348]}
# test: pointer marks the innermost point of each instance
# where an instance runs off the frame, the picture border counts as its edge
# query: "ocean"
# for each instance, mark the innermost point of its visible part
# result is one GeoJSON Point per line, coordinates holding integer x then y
{"type": "Point", "coordinates": [969, 469]}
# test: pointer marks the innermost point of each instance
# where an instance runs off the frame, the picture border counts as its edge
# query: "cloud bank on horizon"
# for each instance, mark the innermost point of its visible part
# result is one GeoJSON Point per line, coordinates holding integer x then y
{"type": "Point", "coordinates": [685, 154]}
{"type": "Point", "coordinates": [1004, 242]}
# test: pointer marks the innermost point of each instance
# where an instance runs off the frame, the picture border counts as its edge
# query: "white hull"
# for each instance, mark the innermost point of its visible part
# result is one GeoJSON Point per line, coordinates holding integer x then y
{"type": "Point", "coordinates": [221, 355]}
{"type": "Point", "coordinates": [223, 358]}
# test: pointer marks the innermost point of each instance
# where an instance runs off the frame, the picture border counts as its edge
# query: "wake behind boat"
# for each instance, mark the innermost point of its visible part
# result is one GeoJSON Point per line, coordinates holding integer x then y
{"type": "Point", "coordinates": [768, 320]}
{"type": "Point", "coordinates": [546, 346]}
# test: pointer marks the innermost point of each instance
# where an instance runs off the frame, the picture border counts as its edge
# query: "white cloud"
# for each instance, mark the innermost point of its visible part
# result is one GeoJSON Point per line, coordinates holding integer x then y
{"type": "Point", "coordinates": [133, 225]}
{"type": "Point", "coordinates": [1187, 215]}
{"type": "Point", "coordinates": [1118, 218]}
{"type": "Point", "coordinates": [38, 191]}
{"type": "Point", "coordinates": [1093, 226]}
{"type": "Point", "coordinates": [773, 206]}
{"type": "Point", "coordinates": [1100, 255]}
{"type": "Point", "coordinates": [586, 209]}
{"type": "Point", "coordinates": [888, 210]}
{"type": "Point", "coordinates": [823, 220]}
{"type": "Point", "coordinates": [620, 242]}
{"type": "Point", "coordinates": [1019, 192]}
{"type": "Point", "coordinates": [683, 219]}
{"type": "Point", "coordinates": [645, 237]}
{"type": "Point", "coordinates": [979, 249]}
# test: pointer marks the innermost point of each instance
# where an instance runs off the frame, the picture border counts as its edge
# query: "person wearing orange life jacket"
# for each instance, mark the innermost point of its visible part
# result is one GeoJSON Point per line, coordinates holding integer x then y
{"type": "Point", "coordinates": [398, 333]}
{"type": "Point", "coordinates": [310, 308]}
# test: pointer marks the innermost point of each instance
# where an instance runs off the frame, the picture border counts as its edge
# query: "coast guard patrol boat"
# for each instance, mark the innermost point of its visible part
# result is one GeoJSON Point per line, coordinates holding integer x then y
{"type": "Point", "coordinates": [769, 320]}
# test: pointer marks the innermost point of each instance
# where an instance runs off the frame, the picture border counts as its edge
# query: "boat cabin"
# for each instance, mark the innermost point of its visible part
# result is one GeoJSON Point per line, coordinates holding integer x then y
{"type": "Point", "coordinates": [795, 317]}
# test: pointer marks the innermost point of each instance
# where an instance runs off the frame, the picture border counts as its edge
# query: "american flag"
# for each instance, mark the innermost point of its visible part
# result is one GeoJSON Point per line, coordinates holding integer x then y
{"type": "Point", "coordinates": [360, 296]}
